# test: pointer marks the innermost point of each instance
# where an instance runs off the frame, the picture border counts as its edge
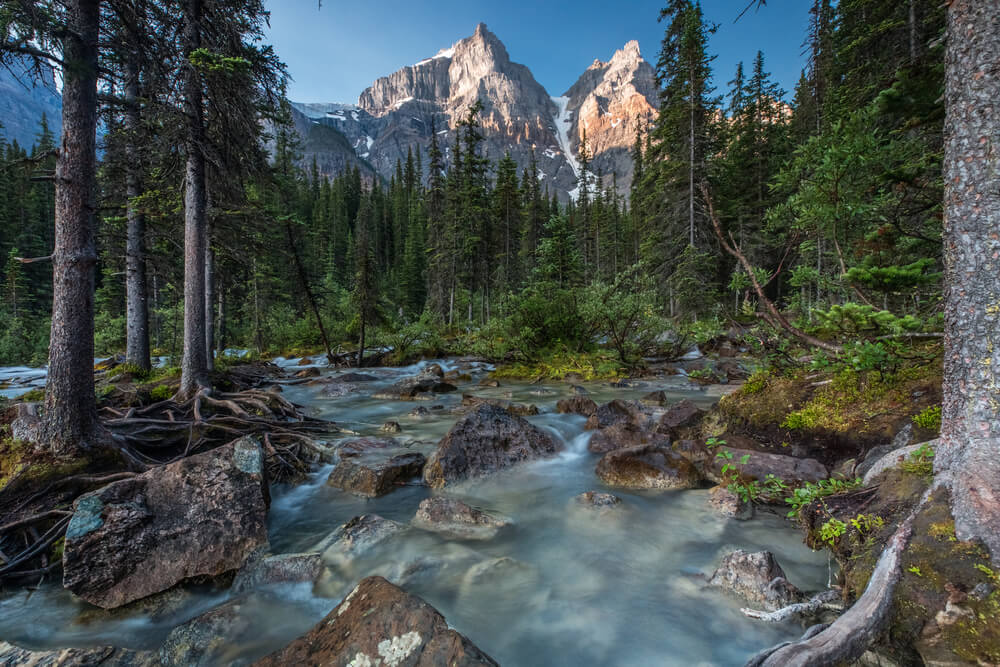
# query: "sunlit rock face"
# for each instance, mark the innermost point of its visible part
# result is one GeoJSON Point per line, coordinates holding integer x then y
{"type": "Point", "coordinates": [402, 111]}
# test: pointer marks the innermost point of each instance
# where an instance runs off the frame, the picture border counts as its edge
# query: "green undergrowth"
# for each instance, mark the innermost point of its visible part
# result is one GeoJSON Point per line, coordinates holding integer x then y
{"type": "Point", "coordinates": [600, 365]}
{"type": "Point", "coordinates": [841, 400]}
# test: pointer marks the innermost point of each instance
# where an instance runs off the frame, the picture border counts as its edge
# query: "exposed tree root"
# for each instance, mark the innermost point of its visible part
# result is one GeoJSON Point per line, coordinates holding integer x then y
{"type": "Point", "coordinates": [808, 607]}
{"type": "Point", "coordinates": [847, 638]}
{"type": "Point", "coordinates": [151, 436]}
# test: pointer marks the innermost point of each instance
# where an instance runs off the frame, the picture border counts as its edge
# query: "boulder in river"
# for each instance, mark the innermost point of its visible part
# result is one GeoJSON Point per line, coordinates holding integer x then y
{"type": "Point", "coordinates": [357, 537]}
{"type": "Point", "coordinates": [760, 464]}
{"type": "Point", "coordinates": [363, 476]}
{"type": "Point", "coordinates": [679, 416]}
{"type": "Point", "coordinates": [454, 518]}
{"type": "Point", "coordinates": [756, 578]}
{"type": "Point", "coordinates": [623, 435]}
{"type": "Point", "coordinates": [485, 441]}
{"type": "Point", "coordinates": [415, 387]}
{"type": "Point", "coordinates": [577, 405]}
{"type": "Point", "coordinates": [521, 409]}
{"type": "Point", "coordinates": [278, 569]}
{"type": "Point", "coordinates": [597, 500]}
{"type": "Point", "coordinates": [360, 446]}
{"type": "Point", "coordinates": [647, 467]}
{"type": "Point", "coordinates": [201, 516]}
{"type": "Point", "coordinates": [380, 624]}
{"type": "Point", "coordinates": [353, 378]}
{"type": "Point", "coordinates": [204, 640]}
{"type": "Point", "coordinates": [616, 412]}
{"type": "Point", "coordinates": [729, 504]}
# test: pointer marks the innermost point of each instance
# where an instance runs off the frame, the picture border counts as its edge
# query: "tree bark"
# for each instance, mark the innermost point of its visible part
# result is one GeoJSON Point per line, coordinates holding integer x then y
{"type": "Point", "coordinates": [969, 454]}
{"type": "Point", "coordinates": [70, 409]}
{"type": "Point", "coordinates": [136, 300]}
{"type": "Point", "coordinates": [209, 306]}
{"type": "Point", "coordinates": [194, 367]}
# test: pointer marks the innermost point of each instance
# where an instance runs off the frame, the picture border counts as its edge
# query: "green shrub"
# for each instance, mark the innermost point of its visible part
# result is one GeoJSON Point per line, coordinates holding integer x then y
{"type": "Point", "coordinates": [161, 392]}
{"type": "Point", "coordinates": [929, 418]}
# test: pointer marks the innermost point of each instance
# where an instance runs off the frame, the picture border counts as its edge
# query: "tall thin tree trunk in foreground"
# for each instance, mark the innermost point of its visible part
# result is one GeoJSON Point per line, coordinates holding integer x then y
{"type": "Point", "coordinates": [969, 454]}
{"type": "Point", "coordinates": [194, 367]}
{"type": "Point", "coordinates": [209, 306]}
{"type": "Point", "coordinates": [70, 409]}
{"type": "Point", "coordinates": [136, 300]}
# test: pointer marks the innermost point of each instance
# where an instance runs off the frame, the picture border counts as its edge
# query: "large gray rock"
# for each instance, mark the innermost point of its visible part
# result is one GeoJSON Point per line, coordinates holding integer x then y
{"type": "Point", "coordinates": [647, 467]}
{"type": "Point", "coordinates": [373, 478]}
{"type": "Point", "coordinates": [485, 441]}
{"type": "Point", "coordinates": [576, 405]}
{"type": "Point", "coordinates": [420, 386]}
{"type": "Point", "coordinates": [680, 416]}
{"type": "Point", "coordinates": [201, 516]}
{"type": "Point", "coordinates": [454, 518]}
{"type": "Point", "coordinates": [623, 435]}
{"type": "Point", "coordinates": [380, 624]}
{"type": "Point", "coordinates": [617, 412]}
{"type": "Point", "coordinates": [760, 464]}
{"type": "Point", "coordinates": [521, 409]}
{"type": "Point", "coordinates": [756, 578]}
{"type": "Point", "coordinates": [106, 656]}
{"type": "Point", "coordinates": [206, 639]}
{"type": "Point", "coordinates": [894, 459]}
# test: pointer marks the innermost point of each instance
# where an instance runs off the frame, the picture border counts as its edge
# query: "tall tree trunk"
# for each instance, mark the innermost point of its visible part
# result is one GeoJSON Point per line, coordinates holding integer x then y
{"type": "Point", "coordinates": [70, 409]}
{"type": "Point", "coordinates": [194, 367]}
{"type": "Point", "coordinates": [300, 269]}
{"type": "Point", "coordinates": [969, 454]}
{"type": "Point", "coordinates": [220, 326]}
{"type": "Point", "coordinates": [361, 341]}
{"type": "Point", "coordinates": [136, 299]}
{"type": "Point", "coordinates": [209, 306]}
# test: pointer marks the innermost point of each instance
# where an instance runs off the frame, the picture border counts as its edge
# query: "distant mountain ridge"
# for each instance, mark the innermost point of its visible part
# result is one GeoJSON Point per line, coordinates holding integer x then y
{"type": "Point", "coordinates": [24, 100]}
{"type": "Point", "coordinates": [609, 102]}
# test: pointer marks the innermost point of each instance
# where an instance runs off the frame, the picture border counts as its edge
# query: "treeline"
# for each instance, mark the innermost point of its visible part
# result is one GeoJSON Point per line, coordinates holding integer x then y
{"type": "Point", "coordinates": [827, 203]}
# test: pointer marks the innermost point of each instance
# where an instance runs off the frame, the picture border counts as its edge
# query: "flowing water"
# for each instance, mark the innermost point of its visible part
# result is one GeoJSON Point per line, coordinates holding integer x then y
{"type": "Point", "coordinates": [621, 586]}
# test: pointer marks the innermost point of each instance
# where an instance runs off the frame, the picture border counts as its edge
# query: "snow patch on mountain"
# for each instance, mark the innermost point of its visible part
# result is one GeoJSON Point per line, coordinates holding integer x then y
{"type": "Point", "coordinates": [564, 121]}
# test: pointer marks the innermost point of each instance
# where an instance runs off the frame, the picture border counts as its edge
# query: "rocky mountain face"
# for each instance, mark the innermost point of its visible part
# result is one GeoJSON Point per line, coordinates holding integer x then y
{"type": "Point", "coordinates": [607, 105]}
{"type": "Point", "coordinates": [399, 111]}
{"type": "Point", "coordinates": [23, 100]}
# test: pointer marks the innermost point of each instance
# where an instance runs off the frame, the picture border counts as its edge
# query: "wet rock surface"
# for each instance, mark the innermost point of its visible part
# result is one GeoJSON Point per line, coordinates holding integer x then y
{"type": "Point", "coordinates": [278, 569]}
{"type": "Point", "coordinates": [372, 478]}
{"type": "Point", "coordinates": [485, 441]}
{"type": "Point", "coordinates": [452, 517]}
{"type": "Point", "coordinates": [419, 386]}
{"type": "Point", "coordinates": [597, 500]}
{"type": "Point", "coordinates": [616, 412]}
{"type": "Point", "coordinates": [683, 415]}
{"type": "Point", "coordinates": [201, 516]}
{"type": "Point", "coordinates": [756, 578]}
{"type": "Point", "coordinates": [356, 537]}
{"type": "Point", "coordinates": [577, 405]}
{"type": "Point", "coordinates": [107, 656]}
{"type": "Point", "coordinates": [380, 624]}
{"type": "Point", "coordinates": [622, 436]}
{"type": "Point", "coordinates": [521, 409]}
{"type": "Point", "coordinates": [647, 467]}
{"type": "Point", "coordinates": [729, 504]}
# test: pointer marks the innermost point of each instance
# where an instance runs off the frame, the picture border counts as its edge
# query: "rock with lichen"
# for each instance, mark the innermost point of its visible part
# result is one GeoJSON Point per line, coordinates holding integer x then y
{"type": "Point", "coordinates": [380, 624]}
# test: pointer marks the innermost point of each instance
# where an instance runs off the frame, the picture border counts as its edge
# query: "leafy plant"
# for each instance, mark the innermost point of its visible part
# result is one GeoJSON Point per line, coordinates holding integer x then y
{"type": "Point", "coordinates": [161, 392]}
{"type": "Point", "coordinates": [920, 462]}
{"type": "Point", "coordinates": [805, 495]}
{"type": "Point", "coordinates": [832, 530]}
{"type": "Point", "coordinates": [929, 418]}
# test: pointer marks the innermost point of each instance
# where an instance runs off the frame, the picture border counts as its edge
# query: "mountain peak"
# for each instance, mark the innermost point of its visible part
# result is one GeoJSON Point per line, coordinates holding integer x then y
{"type": "Point", "coordinates": [628, 52]}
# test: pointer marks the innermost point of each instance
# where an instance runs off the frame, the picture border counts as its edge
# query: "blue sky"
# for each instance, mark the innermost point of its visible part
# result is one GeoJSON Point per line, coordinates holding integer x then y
{"type": "Point", "coordinates": [335, 52]}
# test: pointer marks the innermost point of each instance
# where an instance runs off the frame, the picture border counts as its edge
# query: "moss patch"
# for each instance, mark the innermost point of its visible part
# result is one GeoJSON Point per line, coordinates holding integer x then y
{"type": "Point", "coordinates": [556, 366]}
